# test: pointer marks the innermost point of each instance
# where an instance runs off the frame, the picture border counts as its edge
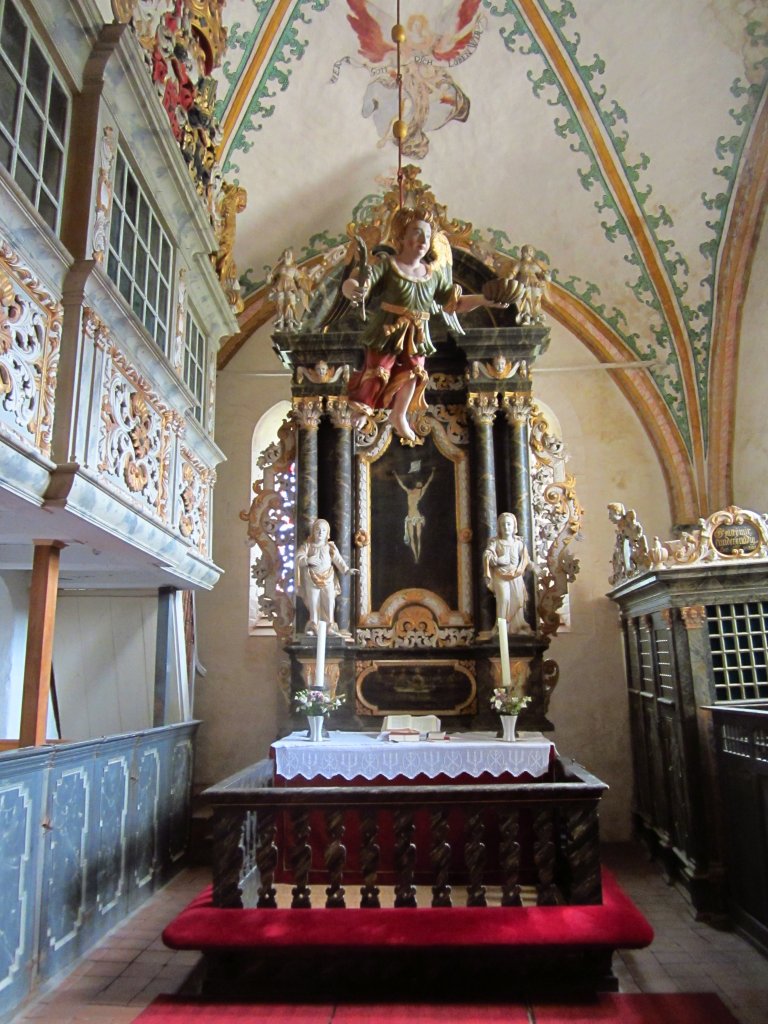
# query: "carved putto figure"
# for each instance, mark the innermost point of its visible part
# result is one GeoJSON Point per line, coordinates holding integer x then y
{"type": "Point", "coordinates": [410, 285]}
{"type": "Point", "coordinates": [505, 561]}
{"type": "Point", "coordinates": [531, 278]}
{"type": "Point", "coordinates": [290, 290]}
{"type": "Point", "coordinates": [318, 563]}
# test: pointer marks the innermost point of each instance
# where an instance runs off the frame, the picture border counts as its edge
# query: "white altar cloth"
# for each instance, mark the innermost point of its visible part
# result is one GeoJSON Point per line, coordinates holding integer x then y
{"type": "Point", "coordinates": [352, 755]}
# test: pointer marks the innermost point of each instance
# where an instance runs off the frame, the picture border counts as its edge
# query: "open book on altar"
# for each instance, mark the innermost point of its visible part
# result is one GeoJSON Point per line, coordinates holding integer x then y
{"type": "Point", "coordinates": [410, 725]}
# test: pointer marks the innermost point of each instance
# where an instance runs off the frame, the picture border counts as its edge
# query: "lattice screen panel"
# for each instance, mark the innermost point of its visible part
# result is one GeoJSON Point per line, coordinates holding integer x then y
{"type": "Point", "coordinates": [738, 637]}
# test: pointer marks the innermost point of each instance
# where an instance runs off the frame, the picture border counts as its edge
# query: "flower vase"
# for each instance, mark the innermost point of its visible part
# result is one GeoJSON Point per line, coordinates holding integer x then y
{"type": "Point", "coordinates": [508, 727]}
{"type": "Point", "coordinates": [315, 727]}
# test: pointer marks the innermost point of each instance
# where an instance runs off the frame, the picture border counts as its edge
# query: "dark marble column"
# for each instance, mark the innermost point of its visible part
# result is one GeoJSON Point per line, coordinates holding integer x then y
{"type": "Point", "coordinates": [482, 409]}
{"type": "Point", "coordinates": [517, 408]}
{"type": "Point", "coordinates": [307, 412]}
{"type": "Point", "coordinates": [343, 503]}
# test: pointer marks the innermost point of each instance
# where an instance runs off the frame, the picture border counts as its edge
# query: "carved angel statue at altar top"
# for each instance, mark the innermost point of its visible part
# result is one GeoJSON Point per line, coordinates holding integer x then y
{"type": "Point", "coordinates": [412, 278]}
{"type": "Point", "coordinates": [318, 564]}
{"type": "Point", "coordinates": [530, 278]}
{"type": "Point", "coordinates": [291, 287]}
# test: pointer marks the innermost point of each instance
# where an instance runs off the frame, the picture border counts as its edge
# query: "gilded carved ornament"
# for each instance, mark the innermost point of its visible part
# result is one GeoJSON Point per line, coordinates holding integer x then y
{"type": "Point", "coordinates": [322, 373]}
{"type": "Point", "coordinates": [30, 337]}
{"type": "Point", "coordinates": [482, 407]}
{"type": "Point", "coordinates": [183, 42]}
{"type": "Point", "coordinates": [272, 530]}
{"type": "Point", "coordinates": [307, 412]}
{"type": "Point", "coordinates": [557, 517]}
{"type": "Point", "coordinates": [516, 407]}
{"type": "Point", "coordinates": [180, 324]}
{"type": "Point", "coordinates": [194, 492]}
{"type": "Point", "coordinates": [499, 368]}
{"type": "Point", "coordinates": [694, 616]}
{"type": "Point", "coordinates": [341, 414]}
{"type": "Point", "coordinates": [231, 201]}
{"type": "Point", "coordinates": [104, 189]}
{"type": "Point", "coordinates": [731, 534]}
{"type": "Point", "coordinates": [135, 435]}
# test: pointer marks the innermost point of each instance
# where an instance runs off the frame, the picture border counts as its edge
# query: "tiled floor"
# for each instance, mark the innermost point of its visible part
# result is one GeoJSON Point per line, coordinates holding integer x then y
{"type": "Point", "coordinates": [131, 966]}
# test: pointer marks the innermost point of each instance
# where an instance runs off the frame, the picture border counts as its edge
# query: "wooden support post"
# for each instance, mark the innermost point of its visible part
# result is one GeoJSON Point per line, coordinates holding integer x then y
{"type": "Point", "coordinates": [40, 627]}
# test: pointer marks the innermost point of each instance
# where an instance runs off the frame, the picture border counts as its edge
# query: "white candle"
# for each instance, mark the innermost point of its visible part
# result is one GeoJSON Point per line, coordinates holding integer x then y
{"type": "Point", "coordinates": [322, 628]}
{"type": "Point", "coordinates": [506, 679]}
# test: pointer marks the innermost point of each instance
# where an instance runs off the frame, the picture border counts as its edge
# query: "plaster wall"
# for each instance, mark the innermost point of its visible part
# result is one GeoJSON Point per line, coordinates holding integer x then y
{"type": "Point", "coordinates": [612, 460]}
{"type": "Point", "coordinates": [750, 455]}
{"type": "Point", "coordinates": [239, 700]}
{"type": "Point", "coordinates": [14, 603]}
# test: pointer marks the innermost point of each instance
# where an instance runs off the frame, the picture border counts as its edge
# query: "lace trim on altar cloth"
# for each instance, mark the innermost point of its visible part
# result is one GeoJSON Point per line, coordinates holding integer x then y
{"type": "Point", "coordinates": [357, 755]}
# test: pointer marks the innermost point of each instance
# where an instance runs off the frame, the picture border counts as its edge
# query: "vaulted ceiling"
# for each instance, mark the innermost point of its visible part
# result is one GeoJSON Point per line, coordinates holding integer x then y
{"type": "Point", "coordinates": [628, 142]}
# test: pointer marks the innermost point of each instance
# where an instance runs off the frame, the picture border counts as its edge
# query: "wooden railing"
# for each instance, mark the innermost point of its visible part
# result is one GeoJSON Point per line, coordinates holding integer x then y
{"type": "Point", "coordinates": [540, 834]}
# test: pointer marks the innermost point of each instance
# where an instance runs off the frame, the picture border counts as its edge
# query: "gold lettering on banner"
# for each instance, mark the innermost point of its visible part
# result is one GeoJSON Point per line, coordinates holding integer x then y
{"type": "Point", "coordinates": [694, 616]}
{"type": "Point", "coordinates": [730, 539]}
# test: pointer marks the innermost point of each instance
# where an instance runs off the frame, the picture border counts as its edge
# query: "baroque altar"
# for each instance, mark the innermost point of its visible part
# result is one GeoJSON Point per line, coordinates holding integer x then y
{"type": "Point", "coordinates": [412, 512]}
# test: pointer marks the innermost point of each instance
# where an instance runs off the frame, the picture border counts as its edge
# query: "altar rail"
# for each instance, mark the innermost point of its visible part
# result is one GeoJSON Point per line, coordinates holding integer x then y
{"type": "Point", "coordinates": [544, 834]}
{"type": "Point", "coordinates": [89, 831]}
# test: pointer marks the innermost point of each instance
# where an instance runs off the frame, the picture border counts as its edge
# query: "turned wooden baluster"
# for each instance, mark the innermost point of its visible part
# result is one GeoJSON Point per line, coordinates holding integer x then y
{"type": "Point", "coordinates": [301, 858]}
{"type": "Point", "coordinates": [228, 858]}
{"type": "Point", "coordinates": [266, 858]}
{"type": "Point", "coordinates": [405, 858]}
{"type": "Point", "coordinates": [582, 852]}
{"type": "Point", "coordinates": [474, 858]}
{"type": "Point", "coordinates": [440, 855]}
{"type": "Point", "coordinates": [370, 853]}
{"type": "Point", "coordinates": [509, 858]}
{"type": "Point", "coordinates": [547, 892]}
{"type": "Point", "coordinates": [335, 857]}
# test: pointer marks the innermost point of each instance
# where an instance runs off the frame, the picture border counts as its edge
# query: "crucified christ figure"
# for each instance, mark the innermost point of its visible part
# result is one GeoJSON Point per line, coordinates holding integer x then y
{"type": "Point", "coordinates": [414, 520]}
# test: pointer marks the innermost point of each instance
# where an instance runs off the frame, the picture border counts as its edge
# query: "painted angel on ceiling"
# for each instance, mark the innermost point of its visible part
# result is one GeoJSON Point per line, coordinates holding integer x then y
{"type": "Point", "coordinates": [439, 37]}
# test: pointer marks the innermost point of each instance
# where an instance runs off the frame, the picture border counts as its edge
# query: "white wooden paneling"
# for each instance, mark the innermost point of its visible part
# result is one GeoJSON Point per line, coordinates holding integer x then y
{"type": "Point", "coordinates": [104, 663]}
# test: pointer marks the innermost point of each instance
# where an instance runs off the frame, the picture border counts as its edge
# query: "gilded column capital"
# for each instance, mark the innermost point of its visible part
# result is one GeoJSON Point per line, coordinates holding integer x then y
{"type": "Point", "coordinates": [694, 616]}
{"type": "Point", "coordinates": [517, 407]}
{"type": "Point", "coordinates": [342, 416]}
{"type": "Point", "coordinates": [666, 617]}
{"type": "Point", "coordinates": [482, 407]}
{"type": "Point", "coordinates": [308, 412]}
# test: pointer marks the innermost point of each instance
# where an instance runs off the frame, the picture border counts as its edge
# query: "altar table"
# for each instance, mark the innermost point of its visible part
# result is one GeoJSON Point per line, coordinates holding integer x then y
{"type": "Point", "coordinates": [365, 757]}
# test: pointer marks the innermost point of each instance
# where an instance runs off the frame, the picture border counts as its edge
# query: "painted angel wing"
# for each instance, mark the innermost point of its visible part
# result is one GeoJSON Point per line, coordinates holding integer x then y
{"type": "Point", "coordinates": [444, 258]}
{"type": "Point", "coordinates": [454, 28]}
{"type": "Point", "coordinates": [368, 20]}
{"type": "Point", "coordinates": [442, 249]}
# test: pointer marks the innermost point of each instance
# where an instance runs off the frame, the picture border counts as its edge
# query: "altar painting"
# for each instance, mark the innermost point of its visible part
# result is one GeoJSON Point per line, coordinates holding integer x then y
{"type": "Point", "coordinates": [415, 566]}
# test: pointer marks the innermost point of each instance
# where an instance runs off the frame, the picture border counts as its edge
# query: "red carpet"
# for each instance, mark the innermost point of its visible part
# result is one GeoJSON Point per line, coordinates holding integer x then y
{"type": "Point", "coordinates": [643, 1008]}
{"type": "Point", "coordinates": [173, 1009]}
{"type": "Point", "coordinates": [646, 1008]}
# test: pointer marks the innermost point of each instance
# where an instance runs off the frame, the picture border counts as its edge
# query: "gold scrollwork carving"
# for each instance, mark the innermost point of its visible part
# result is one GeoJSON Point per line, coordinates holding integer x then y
{"type": "Point", "coordinates": [30, 337]}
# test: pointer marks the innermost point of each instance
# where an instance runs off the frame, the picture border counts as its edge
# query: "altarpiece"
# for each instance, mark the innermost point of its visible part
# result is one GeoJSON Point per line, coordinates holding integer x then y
{"type": "Point", "coordinates": [417, 626]}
